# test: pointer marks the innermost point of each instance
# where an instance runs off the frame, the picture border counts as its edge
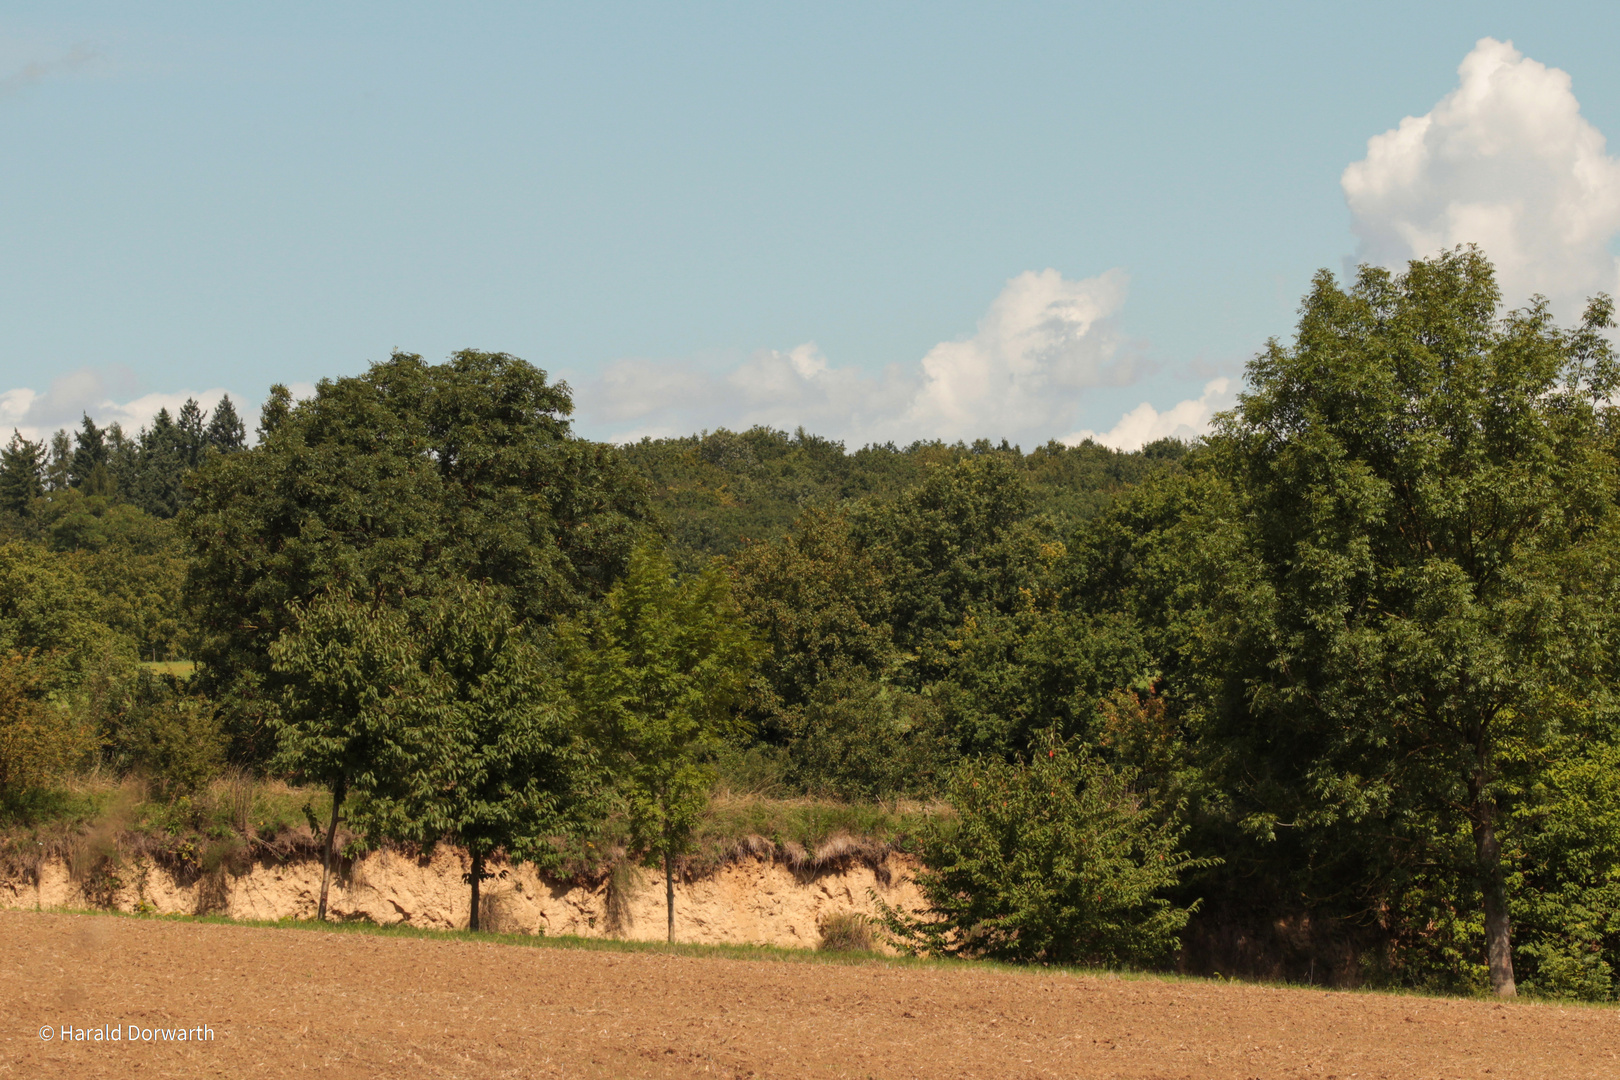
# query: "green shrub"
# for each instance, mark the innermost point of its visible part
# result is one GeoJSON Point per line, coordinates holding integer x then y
{"type": "Point", "coordinates": [38, 739]}
{"type": "Point", "coordinates": [171, 738]}
{"type": "Point", "coordinates": [1055, 861]}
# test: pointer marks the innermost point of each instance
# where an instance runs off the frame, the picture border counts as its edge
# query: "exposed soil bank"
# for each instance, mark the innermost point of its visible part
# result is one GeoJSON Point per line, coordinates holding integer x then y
{"type": "Point", "coordinates": [751, 901]}
{"type": "Point", "coordinates": [286, 1002]}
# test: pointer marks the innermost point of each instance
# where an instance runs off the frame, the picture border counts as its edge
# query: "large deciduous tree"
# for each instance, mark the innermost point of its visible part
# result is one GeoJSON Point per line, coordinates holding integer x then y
{"type": "Point", "coordinates": [1431, 488]}
{"type": "Point", "coordinates": [392, 484]}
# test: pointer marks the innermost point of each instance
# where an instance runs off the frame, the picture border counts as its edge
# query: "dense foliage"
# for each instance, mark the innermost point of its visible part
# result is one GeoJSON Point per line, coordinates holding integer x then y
{"type": "Point", "coordinates": [1058, 861]}
{"type": "Point", "coordinates": [1327, 695]}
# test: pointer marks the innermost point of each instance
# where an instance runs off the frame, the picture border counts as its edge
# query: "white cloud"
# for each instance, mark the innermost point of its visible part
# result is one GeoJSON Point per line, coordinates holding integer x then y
{"type": "Point", "coordinates": [1044, 343]}
{"type": "Point", "coordinates": [95, 393]}
{"type": "Point", "coordinates": [1184, 420]}
{"type": "Point", "coordinates": [1505, 161]}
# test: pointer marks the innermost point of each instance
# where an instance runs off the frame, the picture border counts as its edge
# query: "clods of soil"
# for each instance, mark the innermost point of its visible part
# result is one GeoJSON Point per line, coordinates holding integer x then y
{"type": "Point", "coordinates": [285, 1002]}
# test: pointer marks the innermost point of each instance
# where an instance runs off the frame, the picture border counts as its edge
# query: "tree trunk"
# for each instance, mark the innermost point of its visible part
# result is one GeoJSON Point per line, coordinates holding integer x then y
{"type": "Point", "coordinates": [669, 886]}
{"type": "Point", "coordinates": [1488, 854]}
{"type": "Point", "coordinates": [338, 791]}
{"type": "Point", "coordinates": [477, 879]}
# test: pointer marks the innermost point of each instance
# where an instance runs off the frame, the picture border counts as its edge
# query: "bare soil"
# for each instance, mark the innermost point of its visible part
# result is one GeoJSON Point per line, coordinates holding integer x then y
{"type": "Point", "coordinates": [753, 900]}
{"type": "Point", "coordinates": [287, 1002]}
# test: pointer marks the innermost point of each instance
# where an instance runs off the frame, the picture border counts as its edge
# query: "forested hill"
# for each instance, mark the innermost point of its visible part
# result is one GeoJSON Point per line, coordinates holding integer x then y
{"type": "Point", "coordinates": [1350, 668]}
{"type": "Point", "coordinates": [715, 490]}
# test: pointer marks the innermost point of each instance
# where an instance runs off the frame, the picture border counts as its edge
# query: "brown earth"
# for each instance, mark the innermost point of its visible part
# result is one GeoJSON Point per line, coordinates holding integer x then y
{"type": "Point", "coordinates": [285, 1002]}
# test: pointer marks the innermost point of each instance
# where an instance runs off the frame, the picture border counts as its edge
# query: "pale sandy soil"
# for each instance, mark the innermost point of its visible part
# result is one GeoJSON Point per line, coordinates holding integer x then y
{"type": "Point", "coordinates": [285, 1002]}
{"type": "Point", "coordinates": [752, 901]}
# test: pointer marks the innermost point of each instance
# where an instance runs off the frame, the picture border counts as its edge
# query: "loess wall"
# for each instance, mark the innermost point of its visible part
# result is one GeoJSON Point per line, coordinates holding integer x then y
{"type": "Point", "coordinates": [752, 901]}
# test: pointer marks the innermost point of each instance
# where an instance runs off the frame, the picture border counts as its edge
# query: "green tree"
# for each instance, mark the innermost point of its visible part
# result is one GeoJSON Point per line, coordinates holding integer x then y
{"type": "Point", "coordinates": [821, 608]}
{"type": "Point", "coordinates": [191, 428]}
{"type": "Point", "coordinates": [89, 463]}
{"type": "Point", "coordinates": [396, 483]}
{"type": "Point", "coordinates": [276, 409]}
{"type": "Point", "coordinates": [39, 739]}
{"type": "Point", "coordinates": [22, 474]}
{"type": "Point", "coordinates": [350, 678]}
{"type": "Point", "coordinates": [1432, 489]}
{"type": "Point", "coordinates": [226, 432]}
{"type": "Point", "coordinates": [860, 738]}
{"type": "Point", "coordinates": [1055, 861]}
{"type": "Point", "coordinates": [500, 765]}
{"type": "Point", "coordinates": [159, 468]}
{"type": "Point", "coordinates": [46, 608]}
{"type": "Point", "coordinates": [964, 540]}
{"type": "Point", "coordinates": [132, 560]}
{"type": "Point", "coordinates": [58, 469]}
{"type": "Point", "coordinates": [658, 672]}
{"type": "Point", "coordinates": [157, 730]}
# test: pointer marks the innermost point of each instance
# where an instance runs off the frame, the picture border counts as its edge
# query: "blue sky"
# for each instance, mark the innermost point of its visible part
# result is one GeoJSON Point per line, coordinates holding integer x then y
{"type": "Point", "coordinates": [873, 219]}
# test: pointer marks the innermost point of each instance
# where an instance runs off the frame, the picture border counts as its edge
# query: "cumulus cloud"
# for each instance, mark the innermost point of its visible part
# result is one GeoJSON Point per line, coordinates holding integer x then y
{"type": "Point", "coordinates": [93, 393]}
{"type": "Point", "coordinates": [1044, 343]}
{"type": "Point", "coordinates": [1505, 161]}
{"type": "Point", "coordinates": [1186, 420]}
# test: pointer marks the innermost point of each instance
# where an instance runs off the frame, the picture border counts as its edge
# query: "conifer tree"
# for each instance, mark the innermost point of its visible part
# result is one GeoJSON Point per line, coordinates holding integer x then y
{"type": "Point", "coordinates": [22, 473]}
{"type": "Point", "coordinates": [58, 469]}
{"type": "Point", "coordinates": [192, 433]}
{"type": "Point", "coordinates": [226, 433]}
{"type": "Point", "coordinates": [89, 452]}
{"type": "Point", "coordinates": [161, 467]}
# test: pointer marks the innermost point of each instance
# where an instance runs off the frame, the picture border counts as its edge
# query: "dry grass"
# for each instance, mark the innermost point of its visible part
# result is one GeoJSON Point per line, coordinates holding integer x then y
{"type": "Point", "coordinates": [180, 669]}
{"type": "Point", "coordinates": [847, 931]}
{"type": "Point", "coordinates": [104, 829]}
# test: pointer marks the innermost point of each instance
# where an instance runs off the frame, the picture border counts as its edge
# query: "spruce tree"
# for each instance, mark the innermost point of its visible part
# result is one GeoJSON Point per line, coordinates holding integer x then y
{"type": "Point", "coordinates": [226, 432]}
{"type": "Point", "coordinates": [161, 466]}
{"type": "Point", "coordinates": [22, 473]}
{"type": "Point", "coordinates": [89, 451]}
{"type": "Point", "coordinates": [191, 427]}
{"type": "Point", "coordinates": [58, 471]}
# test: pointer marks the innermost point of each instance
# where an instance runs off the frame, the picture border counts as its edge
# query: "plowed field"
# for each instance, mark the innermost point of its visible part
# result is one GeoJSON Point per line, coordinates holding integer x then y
{"type": "Point", "coordinates": [284, 1002]}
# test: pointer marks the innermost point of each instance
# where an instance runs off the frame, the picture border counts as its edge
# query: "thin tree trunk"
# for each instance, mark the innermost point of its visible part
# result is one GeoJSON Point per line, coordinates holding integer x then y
{"type": "Point", "coordinates": [669, 886]}
{"type": "Point", "coordinates": [338, 791]}
{"type": "Point", "coordinates": [477, 879]}
{"type": "Point", "coordinates": [1488, 853]}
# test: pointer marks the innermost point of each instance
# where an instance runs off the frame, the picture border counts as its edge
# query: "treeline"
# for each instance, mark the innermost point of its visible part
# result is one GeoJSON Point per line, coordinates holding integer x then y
{"type": "Point", "coordinates": [147, 470]}
{"type": "Point", "coordinates": [1326, 697]}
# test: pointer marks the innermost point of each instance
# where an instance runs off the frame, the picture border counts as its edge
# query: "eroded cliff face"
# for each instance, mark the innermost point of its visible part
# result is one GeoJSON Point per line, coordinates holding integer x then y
{"type": "Point", "coordinates": [760, 901]}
